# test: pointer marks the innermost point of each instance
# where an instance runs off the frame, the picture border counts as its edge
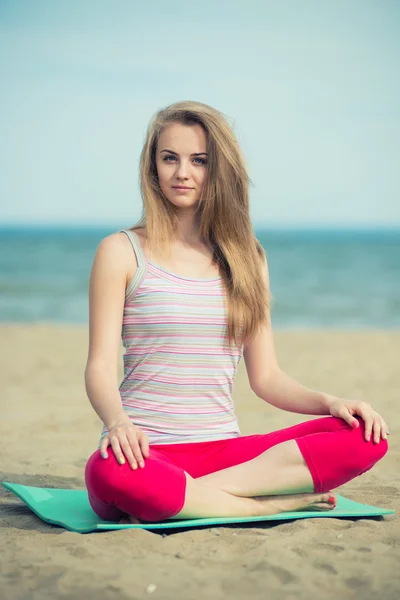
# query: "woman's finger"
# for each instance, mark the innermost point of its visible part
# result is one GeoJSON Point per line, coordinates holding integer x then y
{"type": "Point", "coordinates": [376, 427]}
{"type": "Point", "coordinates": [126, 447]}
{"type": "Point", "coordinates": [132, 435]}
{"type": "Point", "coordinates": [346, 416]}
{"type": "Point", "coordinates": [144, 444]}
{"type": "Point", "coordinates": [117, 450]}
{"type": "Point", "coordinates": [368, 427]}
{"type": "Point", "coordinates": [384, 430]}
{"type": "Point", "coordinates": [368, 420]}
{"type": "Point", "coordinates": [103, 447]}
{"type": "Point", "coordinates": [136, 449]}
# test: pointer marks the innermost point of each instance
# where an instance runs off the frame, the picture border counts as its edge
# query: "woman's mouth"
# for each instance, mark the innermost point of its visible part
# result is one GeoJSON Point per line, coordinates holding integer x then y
{"type": "Point", "coordinates": [182, 190]}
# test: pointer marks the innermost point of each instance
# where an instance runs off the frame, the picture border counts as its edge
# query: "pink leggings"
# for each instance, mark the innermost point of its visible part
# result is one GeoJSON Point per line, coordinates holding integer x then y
{"type": "Point", "coordinates": [333, 451]}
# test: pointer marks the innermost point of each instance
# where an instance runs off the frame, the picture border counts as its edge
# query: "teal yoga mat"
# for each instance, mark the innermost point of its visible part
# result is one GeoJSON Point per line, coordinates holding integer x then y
{"type": "Point", "coordinates": [71, 509]}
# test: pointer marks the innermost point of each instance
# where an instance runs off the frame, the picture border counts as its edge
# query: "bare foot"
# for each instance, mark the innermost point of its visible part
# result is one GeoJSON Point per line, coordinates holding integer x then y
{"type": "Point", "coordinates": [129, 520]}
{"type": "Point", "coordinates": [271, 505]}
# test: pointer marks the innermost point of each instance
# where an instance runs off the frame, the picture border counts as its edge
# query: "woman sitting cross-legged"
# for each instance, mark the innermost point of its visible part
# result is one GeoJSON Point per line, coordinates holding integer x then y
{"type": "Point", "coordinates": [189, 289]}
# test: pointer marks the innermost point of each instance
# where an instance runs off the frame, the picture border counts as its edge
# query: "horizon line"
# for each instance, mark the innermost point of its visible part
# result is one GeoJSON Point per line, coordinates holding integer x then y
{"type": "Point", "coordinates": [267, 227]}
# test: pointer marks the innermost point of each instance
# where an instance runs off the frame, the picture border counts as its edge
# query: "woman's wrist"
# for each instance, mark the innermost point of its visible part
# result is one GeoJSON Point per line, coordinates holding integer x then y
{"type": "Point", "coordinates": [119, 419]}
{"type": "Point", "coordinates": [327, 401]}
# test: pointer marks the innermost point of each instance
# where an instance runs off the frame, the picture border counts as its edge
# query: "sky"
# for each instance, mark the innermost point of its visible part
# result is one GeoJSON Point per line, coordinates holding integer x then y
{"type": "Point", "coordinates": [311, 89]}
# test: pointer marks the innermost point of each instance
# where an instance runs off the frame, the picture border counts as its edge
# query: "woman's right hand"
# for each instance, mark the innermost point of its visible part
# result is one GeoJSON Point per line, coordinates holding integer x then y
{"type": "Point", "coordinates": [126, 439]}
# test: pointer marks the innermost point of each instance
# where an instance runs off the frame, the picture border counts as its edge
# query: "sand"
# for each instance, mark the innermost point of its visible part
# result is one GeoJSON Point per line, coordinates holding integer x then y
{"type": "Point", "coordinates": [48, 429]}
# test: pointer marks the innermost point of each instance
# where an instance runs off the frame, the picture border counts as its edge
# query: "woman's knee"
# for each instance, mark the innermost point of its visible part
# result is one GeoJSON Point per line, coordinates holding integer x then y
{"type": "Point", "coordinates": [367, 451]}
{"type": "Point", "coordinates": [339, 456]}
{"type": "Point", "coordinates": [359, 449]}
{"type": "Point", "coordinates": [102, 477]}
{"type": "Point", "coordinates": [153, 493]}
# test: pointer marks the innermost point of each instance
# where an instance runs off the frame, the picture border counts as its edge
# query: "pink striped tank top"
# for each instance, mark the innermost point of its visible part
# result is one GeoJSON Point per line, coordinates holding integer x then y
{"type": "Point", "coordinates": [178, 368]}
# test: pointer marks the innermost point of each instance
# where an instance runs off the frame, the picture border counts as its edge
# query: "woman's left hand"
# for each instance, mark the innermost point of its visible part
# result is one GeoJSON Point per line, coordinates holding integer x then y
{"type": "Point", "coordinates": [374, 423]}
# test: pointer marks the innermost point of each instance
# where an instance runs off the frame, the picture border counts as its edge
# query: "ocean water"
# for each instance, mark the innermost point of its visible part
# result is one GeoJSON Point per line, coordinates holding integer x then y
{"type": "Point", "coordinates": [334, 279]}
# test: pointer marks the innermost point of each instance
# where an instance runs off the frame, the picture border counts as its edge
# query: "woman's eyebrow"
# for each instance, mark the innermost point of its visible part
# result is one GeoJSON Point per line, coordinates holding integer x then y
{"type": "Point", "coordinates": [194, 153]}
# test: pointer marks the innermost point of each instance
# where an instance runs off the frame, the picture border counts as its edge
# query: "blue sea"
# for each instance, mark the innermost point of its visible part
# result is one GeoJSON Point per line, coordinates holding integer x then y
{"type": "Point", "coordinates": [331, 279]}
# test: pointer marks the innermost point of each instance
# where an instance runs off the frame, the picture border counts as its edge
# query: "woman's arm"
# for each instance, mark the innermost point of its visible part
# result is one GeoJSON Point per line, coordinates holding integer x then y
{"type": "Point", "coordinates": [106, 305]}
{"type": "Point", "coordinates": [112, 267]}
{"type": "Point", "coordinates": [271, 384]}
{"type": "Point", "coordinates": [280, 390]}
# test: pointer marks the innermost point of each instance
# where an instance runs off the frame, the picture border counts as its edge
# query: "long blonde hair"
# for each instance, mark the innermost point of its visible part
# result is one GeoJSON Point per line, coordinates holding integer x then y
{"type": "Point", "coordinates": [222, 215]}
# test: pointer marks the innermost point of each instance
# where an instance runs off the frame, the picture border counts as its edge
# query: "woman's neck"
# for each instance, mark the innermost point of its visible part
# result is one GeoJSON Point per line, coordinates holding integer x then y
{"type": "Point", "coordinates": [187, 231]}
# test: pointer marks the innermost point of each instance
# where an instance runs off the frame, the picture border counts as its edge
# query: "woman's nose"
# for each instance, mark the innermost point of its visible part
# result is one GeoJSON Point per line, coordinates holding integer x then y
{"type": "Point", "coordinates": [182, 169]}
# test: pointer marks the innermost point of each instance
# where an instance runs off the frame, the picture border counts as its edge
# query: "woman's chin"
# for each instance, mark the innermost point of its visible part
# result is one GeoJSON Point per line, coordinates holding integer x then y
{"type": "Point", "coordinates": [181, 203]}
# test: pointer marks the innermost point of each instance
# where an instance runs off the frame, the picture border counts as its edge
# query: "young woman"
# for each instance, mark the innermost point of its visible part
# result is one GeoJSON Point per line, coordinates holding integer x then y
{"type": "Point", "coordinates": [188, 287]}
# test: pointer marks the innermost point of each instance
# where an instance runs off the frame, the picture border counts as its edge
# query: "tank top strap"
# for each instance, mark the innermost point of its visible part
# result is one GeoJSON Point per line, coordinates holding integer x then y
{"type": "Point", "coordinates": [137, 248]}
{"type": "Point", "coordinates": [141, 261]}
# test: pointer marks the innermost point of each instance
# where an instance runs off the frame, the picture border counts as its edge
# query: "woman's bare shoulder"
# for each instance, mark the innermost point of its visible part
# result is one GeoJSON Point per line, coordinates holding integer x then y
{"type": "Point", "coordinates": [115, 252]}
{"type": "Point", "coordinates": [114, 244]}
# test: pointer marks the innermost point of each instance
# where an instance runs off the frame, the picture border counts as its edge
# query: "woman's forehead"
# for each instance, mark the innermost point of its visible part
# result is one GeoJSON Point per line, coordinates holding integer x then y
{"type": "Point", "coordinates": [183, 138]}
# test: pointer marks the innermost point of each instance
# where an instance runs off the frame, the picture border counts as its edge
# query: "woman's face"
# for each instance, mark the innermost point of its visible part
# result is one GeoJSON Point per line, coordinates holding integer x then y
{"type": "Point", "coordinates": [181, 160]}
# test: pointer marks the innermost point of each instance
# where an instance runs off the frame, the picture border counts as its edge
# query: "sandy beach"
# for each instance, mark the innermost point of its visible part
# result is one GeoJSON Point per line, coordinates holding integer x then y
{"type": "Point", "coordinates": [48, 430]}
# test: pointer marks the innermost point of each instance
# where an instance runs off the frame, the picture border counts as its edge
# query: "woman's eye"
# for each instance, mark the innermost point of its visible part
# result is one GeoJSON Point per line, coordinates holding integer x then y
{"type": "Point", "coordinates": [199, 160]}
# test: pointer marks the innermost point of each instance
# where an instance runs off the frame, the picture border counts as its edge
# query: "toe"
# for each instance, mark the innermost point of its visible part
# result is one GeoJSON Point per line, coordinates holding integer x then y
{"type": "Point", "coordinates": [328, 497]}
